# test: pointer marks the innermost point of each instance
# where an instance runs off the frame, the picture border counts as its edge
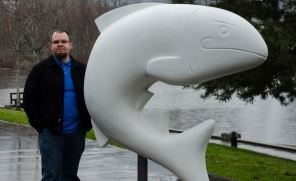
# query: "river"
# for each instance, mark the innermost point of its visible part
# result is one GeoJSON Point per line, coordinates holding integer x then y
{"type": "Point", "coordinates": [265, 121]}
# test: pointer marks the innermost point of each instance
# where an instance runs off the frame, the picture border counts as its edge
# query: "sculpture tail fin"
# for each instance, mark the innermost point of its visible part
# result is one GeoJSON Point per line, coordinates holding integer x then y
{"type": "Point", "coordinates": [187, 151]}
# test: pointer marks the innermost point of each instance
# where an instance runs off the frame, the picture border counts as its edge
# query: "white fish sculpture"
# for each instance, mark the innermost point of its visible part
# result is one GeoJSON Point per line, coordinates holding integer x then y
{"type": "Point", "coordinates": [177, 44]}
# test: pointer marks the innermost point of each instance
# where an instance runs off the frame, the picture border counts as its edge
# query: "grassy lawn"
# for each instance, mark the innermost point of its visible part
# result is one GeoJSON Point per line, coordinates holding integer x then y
{"type": "Point", "coordinates": [13, 116]}
{"type": "Point", "coordinates": [234, 164]}
{"type": "Point", "coordinates": [244, 165]}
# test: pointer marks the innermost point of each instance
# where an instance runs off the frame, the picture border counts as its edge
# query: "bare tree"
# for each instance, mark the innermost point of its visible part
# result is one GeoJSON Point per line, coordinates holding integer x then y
{"type": "Point", "coordinates": [31, 25]}
{"type": "Point", "coordinates": [25, 30]}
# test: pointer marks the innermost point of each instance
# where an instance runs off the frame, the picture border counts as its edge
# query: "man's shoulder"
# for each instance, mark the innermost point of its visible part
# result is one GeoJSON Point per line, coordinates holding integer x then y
{"type": "Point", "coordinates": [40, 67]}
{"type": "Point", "coordinates": [44, 62]}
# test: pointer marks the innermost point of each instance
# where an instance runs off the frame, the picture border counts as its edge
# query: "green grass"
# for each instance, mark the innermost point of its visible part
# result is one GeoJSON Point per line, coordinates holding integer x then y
{"type": "Point", "coordinates": [244, 165]}
{"type": "Point", "coordinates": [19, 117]}
{"type": "Point", "coordinates": [14, 116]}
{"type": "Point", "coordinates": [231, 163]}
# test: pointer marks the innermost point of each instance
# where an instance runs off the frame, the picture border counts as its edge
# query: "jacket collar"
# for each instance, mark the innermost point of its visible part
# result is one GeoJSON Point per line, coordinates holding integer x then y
{"type": "Point", "coordinates": [52, 62]}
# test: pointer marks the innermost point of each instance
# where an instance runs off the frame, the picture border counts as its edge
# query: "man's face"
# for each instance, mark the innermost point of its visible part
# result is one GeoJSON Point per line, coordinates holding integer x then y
{"type": "Point", "coordinates": [60, 45]}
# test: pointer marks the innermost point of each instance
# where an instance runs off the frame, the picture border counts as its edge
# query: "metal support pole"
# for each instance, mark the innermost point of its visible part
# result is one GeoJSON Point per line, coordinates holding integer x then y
{"type": "Point", "coordinates": [233, 139]}
{"type": "Point", "coordinates": [142, 168]}
{"type": "Point", "coordinates": [11, 98]}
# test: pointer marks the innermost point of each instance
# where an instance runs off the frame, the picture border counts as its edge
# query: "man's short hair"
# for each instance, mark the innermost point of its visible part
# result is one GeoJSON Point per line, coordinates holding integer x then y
{"type": "Point", "coordinates": [61, 31]}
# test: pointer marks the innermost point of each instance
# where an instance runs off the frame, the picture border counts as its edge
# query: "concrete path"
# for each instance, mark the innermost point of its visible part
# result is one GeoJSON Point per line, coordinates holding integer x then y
{"type": "Point", "coordinates": [20, 159]}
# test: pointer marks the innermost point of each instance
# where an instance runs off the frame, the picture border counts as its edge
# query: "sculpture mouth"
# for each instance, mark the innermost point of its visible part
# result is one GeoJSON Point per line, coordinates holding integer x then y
{"type": "Point", "coordinates": [261, 55]}
{"type": "Point", "coordinates": [259, 49]}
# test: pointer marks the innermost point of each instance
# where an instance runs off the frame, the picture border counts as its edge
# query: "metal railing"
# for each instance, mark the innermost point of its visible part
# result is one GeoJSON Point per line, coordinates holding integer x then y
{"type": "Point", "coordinates": [16, 99]}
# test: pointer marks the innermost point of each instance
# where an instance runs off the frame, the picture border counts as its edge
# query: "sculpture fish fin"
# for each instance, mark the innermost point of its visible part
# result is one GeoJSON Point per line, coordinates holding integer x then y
{"type": "Point", "coordinates": [142, 99]}
{"type": "Point", "coordinates": [170, 69]}
{"type": "Point", "coordinates": [156, 119]}
{"type": "Point", "coordinates": [186, 152]}
{"type": "Point", "coordinates": [112, 16]}
{"type": "Point", "coordinates": [102, 139]}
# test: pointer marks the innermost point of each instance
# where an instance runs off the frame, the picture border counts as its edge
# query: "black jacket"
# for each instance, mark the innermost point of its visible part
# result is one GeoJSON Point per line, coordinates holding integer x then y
{"type": "Point", "coordinates": [44, 95]}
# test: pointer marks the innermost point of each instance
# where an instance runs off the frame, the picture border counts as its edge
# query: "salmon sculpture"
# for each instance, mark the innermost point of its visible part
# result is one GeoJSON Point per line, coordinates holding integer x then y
{"type": "Point", "coordinates": [174, 43]}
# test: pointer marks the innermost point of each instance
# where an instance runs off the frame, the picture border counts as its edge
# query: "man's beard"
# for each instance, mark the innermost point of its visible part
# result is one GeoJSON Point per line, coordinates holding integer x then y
{"type": "Point", "coordinates": [61, 55]}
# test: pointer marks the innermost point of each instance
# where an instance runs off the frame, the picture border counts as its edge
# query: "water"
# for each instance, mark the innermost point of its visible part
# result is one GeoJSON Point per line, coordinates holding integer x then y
{"type": "Point", "coordinates": [12, 77]}
{"type": "Point", "coordinates": [264, 121]}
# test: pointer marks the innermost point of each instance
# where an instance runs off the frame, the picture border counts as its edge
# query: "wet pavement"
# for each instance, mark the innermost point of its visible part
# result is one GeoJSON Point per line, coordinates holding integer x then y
{"type": "Point", "coordinates": [20, 159]}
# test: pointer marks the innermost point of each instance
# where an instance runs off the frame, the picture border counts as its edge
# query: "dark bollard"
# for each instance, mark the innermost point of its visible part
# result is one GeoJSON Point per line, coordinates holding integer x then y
{"type": "Point", "coordinates": [233, 138]}
{"type": "Point", "coordinates": [142, 168]}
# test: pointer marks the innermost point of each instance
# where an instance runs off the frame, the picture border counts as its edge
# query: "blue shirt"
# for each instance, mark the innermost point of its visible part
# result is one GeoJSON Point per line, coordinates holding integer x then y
{"type": "Point", "coordinates": [71, 113]}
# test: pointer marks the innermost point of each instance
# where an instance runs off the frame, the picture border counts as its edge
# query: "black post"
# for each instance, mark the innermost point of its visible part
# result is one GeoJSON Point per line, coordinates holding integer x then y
{"type": "Point", "coordinates": [233, 139]}
{"type": "Point", "coordinates": [142, 168]}
{"type": "Point", "coordinates": [11, 98]}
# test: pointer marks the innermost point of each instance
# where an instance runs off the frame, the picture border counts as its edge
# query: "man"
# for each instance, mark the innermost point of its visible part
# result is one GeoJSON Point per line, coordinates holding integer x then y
{"type": "Point", "coordinates": [54, 104]}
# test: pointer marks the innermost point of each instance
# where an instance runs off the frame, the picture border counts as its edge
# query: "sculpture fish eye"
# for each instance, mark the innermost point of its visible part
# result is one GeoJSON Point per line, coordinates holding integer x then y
{"type": "Point", "coordinates": [197, 47]}
{"type": "Point", "coordinates": [225, 28]}
{"type": "Point", "coordinates": [224, 31]}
